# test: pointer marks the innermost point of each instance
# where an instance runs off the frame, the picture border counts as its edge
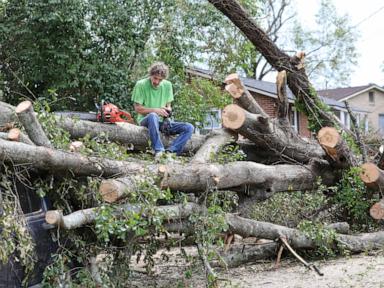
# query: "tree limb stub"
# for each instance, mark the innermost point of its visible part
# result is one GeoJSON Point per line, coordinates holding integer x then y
{"type": "Point", "coordinates": [241, 95]}
{"type": "Point", "coordinates": [336, 148]}
{"type": "Point", "coordinates": [27, 117]}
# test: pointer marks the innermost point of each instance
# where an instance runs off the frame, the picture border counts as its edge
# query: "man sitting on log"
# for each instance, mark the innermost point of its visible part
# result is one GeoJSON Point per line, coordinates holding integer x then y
{"type": "Point", "coordinates": [152, 97]}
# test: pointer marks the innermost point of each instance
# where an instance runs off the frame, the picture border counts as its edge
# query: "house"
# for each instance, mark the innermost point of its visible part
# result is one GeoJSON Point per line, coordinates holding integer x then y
{"type": "Point", "coordinates": [266, 95]}
{"type": "Point", "coordinates": [369, 98]}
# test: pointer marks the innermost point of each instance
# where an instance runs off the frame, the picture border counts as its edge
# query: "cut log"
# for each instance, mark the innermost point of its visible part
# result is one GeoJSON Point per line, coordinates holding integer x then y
{"type": "Point", "coordinates": [372, 176]}
{"type": "Point", "coordinates": [88, 216]}
{"type": "Point", "coordinates": [336, 148]}
{"type": "Point", "coordinates": [377, 210]}
{"type": "Point", "coordinates": [268, 135]}
{"type": "Point", "coordinates": [115, 189]}
{"type": "Point", "coordinates": [16, 135]}
{"type": "Point", "coordinates": [242, 96]}
{"type": "Point", "coordinates": [215, 141]}
{"type": "Point", "coordinates": [27, 117]}
{"type": "Point", "coordinates": [124, 133]}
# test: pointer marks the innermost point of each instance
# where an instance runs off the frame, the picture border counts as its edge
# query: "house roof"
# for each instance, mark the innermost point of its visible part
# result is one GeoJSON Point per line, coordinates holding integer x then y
{"type": "Point", "coordinates": [269, 89]}
{"type": "Point", "coordinates": [342, 94]}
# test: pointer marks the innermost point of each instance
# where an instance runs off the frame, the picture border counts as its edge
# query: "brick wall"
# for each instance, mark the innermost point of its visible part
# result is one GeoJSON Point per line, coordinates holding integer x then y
{"type": "Point", "coordinates": [269, 105]}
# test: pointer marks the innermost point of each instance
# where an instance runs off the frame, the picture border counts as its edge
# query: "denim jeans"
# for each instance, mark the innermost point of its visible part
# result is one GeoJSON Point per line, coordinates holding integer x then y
{"type": "Point", "coordinates": [153, 123]}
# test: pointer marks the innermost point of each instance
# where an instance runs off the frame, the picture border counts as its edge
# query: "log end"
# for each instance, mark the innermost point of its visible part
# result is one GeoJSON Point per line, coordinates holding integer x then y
{"type": "Point", "coordinates": [23, 106]}
{"type": "Point", "coordinates": [54, 217]}
{"type": "Point", "coordinates": [14, 134]}
{"type": "Point", "coordinates": [369, 173]}
{"type": "Point", "coordinates": [328, 137]}
{"type": "Point", "coordinates": [234, 90]}
{"type": "Point", "coordinates": [233, 117]}
{"type": "Point", "coordinates": [76, 146]}
{"type": "Point", "coordinates": [109, 192]}
{"type": "Point", "coordinates": [231, 78]}
{"type": "Point", "coordinates": [377, 211]}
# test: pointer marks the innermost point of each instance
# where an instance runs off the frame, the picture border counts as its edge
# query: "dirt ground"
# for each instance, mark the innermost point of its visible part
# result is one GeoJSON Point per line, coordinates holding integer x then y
{"type": "Point", "coordinates": [353, 271]}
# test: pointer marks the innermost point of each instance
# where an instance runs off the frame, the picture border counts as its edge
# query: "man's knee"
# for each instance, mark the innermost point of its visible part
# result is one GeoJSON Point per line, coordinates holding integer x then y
{"type": "Point", "coordinates": [153, 118]}
{"type": "Point", "coordinates": [189, 128]}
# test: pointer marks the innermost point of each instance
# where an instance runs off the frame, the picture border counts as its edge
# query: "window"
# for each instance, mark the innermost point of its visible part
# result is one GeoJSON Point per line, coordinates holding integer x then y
{"type": "Point", "coordinates": [371, 96]}
{"type": "Point", "coordinates": [294, 119]}
{"type": "Point", "coordinates": [381, 123]}
{"type": "Point", "coordinates": [212, 120]}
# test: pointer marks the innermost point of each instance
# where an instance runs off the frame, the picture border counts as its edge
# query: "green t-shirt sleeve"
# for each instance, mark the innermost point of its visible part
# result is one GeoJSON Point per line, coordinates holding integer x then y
{"type": "Point", "coordinates": [138, 94]}
{"type": "Point", "coordinates": [170, 97]}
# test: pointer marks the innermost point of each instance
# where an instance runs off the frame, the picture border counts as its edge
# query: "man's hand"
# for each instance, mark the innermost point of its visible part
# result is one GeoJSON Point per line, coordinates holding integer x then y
{"type": "Point", "coordinates": [161, 112]}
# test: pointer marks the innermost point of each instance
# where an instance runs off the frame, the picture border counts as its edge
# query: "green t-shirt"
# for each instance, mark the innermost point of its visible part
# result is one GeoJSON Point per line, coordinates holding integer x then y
{"type": "Point", "coordinates": [149, 97]}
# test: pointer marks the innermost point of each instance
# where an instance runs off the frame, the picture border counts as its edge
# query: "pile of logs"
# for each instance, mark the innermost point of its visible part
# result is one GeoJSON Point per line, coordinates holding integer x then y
{"type": "Point", "coordinates": [266, 137]}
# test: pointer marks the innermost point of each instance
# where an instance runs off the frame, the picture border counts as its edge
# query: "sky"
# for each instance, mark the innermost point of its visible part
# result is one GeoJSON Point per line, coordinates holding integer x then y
{"type": "Point", "coordinates": [368, 15]}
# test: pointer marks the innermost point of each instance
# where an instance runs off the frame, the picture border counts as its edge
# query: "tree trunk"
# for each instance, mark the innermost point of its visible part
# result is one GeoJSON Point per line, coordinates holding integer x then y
{"type": "Point", "coordinates": [123, 133]}
{"type": "Point", "coordinates": [7, 114]}
{"type": "Point", "coordinates": [16, 135]}
{"type": "Point", "coordinates": [215, 141]}
{"type": "Point", "coordinates": [59, 162]}
{"type": "Point", "coordinates": [269, 135]}
{"type": "Point", "coordinates": [27, 117]}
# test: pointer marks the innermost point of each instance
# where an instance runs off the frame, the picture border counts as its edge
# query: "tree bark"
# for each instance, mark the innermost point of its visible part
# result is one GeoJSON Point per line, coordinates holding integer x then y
{"type": "Point", "coordinates": [88, 216]}
{"type": "Point", "coordinates": [282, 103]}
{"type": "Point", "coordinates": [59, 162]}
{"type": "Point", "coordinates": [252, 178]}
{"type": "Point", "coordinates": [7, 114]}
{"type": "Point", "coordinates": [269, 135]}
{"type": "Point", "coordinates": [27, 117]}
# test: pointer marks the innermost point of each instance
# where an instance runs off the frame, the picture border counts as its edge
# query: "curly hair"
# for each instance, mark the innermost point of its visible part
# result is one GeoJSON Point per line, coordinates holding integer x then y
{"type": "Point", "coordinates": [159, 69]}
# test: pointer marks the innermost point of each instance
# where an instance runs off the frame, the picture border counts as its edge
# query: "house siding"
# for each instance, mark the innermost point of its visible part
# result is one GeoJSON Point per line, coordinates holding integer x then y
{"type": "Point", "coordinates": [375, 109]}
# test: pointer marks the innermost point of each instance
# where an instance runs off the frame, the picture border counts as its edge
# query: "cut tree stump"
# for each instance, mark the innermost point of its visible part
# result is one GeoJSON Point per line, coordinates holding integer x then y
{"type": "Point", "coordinates": [377, 210]}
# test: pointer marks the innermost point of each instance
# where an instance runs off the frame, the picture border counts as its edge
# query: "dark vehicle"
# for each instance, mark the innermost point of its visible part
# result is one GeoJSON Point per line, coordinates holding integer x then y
{"type": "Point", "coordinates": [34, 208]}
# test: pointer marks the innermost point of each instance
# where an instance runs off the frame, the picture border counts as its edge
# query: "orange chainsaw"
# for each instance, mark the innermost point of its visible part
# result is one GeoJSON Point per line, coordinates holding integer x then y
{"type": "Point", "coordinates": [110, 113]}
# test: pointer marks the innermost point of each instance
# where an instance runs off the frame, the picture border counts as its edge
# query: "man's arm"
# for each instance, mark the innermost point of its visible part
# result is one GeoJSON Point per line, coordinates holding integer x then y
{"type": "Point", "coordinates": [144, 111]}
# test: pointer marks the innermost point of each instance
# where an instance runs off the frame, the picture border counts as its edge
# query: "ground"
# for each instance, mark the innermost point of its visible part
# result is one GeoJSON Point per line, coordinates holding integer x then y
{"type": "Point", "coordinates": [353, 271]}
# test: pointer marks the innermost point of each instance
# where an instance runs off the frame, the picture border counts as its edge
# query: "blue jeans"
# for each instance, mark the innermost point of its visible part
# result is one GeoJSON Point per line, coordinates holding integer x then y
{"type": "Point", "coordinates": [153, 123]}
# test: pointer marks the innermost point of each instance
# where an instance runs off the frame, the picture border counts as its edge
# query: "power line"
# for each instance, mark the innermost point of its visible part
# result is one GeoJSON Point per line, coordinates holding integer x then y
{"type": "Point", "coordinates": [368, 17]}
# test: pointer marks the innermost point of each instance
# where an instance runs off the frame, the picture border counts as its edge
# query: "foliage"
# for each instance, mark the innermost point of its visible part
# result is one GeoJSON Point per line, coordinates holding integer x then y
{"type": "Point", "coordinates": [288, 209]}
{"type": "Point", "coordinates": [228, 153]}
{"type": "Point", "coordinates": [352, 199]}
{"type": "Point", "coordinates": [323, 238]}
{"type": "Point", "coordinates": [330, 47]}
{"type": "Point", "coordinates": [16, 241]}
{"type": "Point", "coordinates": [80, 49]}
{"type": "Point", "coordinates": [204, 95]}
